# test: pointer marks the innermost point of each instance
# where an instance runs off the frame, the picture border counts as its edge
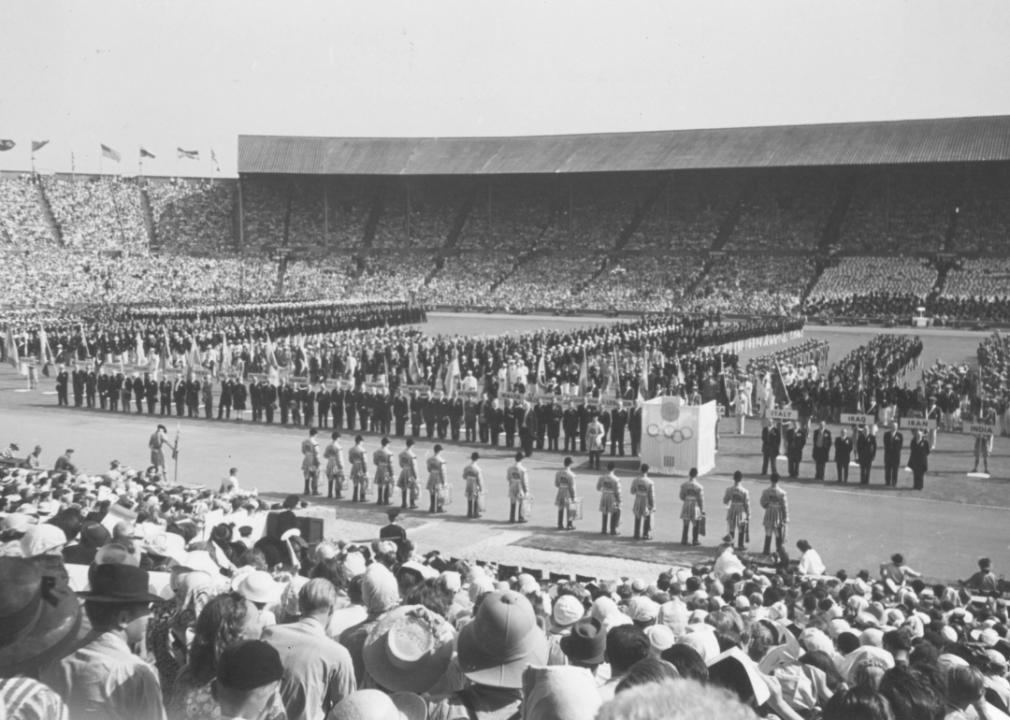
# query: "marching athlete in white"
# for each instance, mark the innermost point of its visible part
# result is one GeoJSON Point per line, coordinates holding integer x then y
{"type": "Point", "coordinates": [518, 489]}
{"type": "Point", "coordinates": [408, 476]}
{"type": "Point", "coordinates": [474, 486]}
{"type": "Point", "coordinates": [737, 500]}
{"type": "Point", "coordinates": [564, 481]}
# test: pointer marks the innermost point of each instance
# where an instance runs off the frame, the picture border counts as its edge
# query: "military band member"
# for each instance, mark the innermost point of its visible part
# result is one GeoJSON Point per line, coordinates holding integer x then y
{"type": "Point", "coordinates": [918, 454]}
{"type": "Point", "coordinates": [692, 494]}
{"type": "Point", "coordinates": [564, 481]}
{"type": "Point", "coordinates": [407, 481]}
{"type": "Point", "coordinates": [335, 478]}
{"type": "Point", "coordinates": [776, 508]}
{"type": "Point", "coordinates": [894, 441]}
{"type": "Point", "coordinates": [594, 439]}
{"type": "Point", "coordinates": [737, 501]}
{"type": "Point", "coordinates": [474, 486]}
{"type": "Point", "coordinates": [609, 487]}
{"type": "Point", "coordinates": [821, 450]}
{"type": "Point", "coordinates": [771, 436]}
{"type": "Point", "coordinates": [158, 440]}
{"type": "Point", "coordinates": [310, 463]}
{"type": "Point", "coordinates": [518, 489]}
{"type": "Point", "coordinates": [383, 459]}
{"type": "Point", "coordinates": [359, 470]}
{"type": "Point", "coordinates": [643, 489]}
{"type": "Point", "coordinates": [436, 481]}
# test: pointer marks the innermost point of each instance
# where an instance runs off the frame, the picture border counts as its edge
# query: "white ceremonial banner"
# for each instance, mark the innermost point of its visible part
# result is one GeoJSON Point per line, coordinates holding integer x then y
{"type": "Point", "coordinates": [677, 437]}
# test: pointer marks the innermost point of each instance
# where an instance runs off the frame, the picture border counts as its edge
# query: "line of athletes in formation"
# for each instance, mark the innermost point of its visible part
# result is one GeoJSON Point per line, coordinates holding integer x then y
{"type": "Point", "coordinates": [353, 471]}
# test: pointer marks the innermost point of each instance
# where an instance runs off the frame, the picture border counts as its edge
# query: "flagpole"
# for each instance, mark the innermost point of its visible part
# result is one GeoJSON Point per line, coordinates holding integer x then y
{"type": "Point", "coordinates": [175, 452]}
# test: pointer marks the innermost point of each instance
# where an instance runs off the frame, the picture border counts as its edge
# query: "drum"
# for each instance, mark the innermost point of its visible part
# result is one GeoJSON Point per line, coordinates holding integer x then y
{"type": "Point", "coordinates": [444, 495]}
{"type": "Point", "coordinates": [481, 501]}
{"type": "Point", "coordinates": [574, 510]}
{"type": "Point", "coordinates": [528, 507]}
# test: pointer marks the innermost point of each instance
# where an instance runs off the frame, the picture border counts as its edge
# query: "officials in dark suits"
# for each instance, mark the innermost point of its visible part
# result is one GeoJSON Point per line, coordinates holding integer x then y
{"type": "Point", "coordinates": [618, 423]}
{"type": "Point", "coordinates": [771, 436]}
{"type": "Point", "coordinates": [796, 440]}
{"type": "Point", "coordinates": [894, 441]}
{"type": "Point", "coordinates": [843, 455]}
{"type": "Point", "coordinates": [224, 402]}
{"type": "Point", "coordinates": [866, 451]}
{"type": "Point", "coordinates": [62, 380]}
{"type": "Point", "coordinates": [821, 449]}
{"type": "Point", "coordinates": [918, 454]}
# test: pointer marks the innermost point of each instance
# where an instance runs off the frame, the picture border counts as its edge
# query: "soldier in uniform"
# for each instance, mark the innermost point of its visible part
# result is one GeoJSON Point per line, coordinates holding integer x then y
{"type": "Point", "coordinates": [594, 436]}
{"type": "Point", "coordinates": [644, 492]}
{"type": "Point", "coordinates": [776, 508]}
{"type": "Point", "coordinates": [518, 489]}
{"type": "Point", "coordinates": [737, 501]}
{"type": "Point", "coordinates": [866, 451]}
{"type": "Point", "coordinates": [692, 494]}
{"type": "Point", "coordinates": [474, 486]}
{"type": "Point", "coordinates": [401, 410]}
{"type": "Point", "coordinates": [554, 417]}
{"type": "Point", "coordinates": [843, 454]}
{"type": "Point", "coordinates": [436, 480]}
{"type": "Point", "coordinates": [771, 436]}
{"type": "Point", "coordinates": [609, 487]}
{"type": "Point", "coordinates": [416, 411]}
{"type": "Point", "coordinates": [918, 454]}
{"type": "Point", "coordinates": [359, 470]}
{"type": "Point", "coordinates": [62, 378]}
{"type": "Point", "coordinates": [821, 450]}
{"type": "Point", "coordinates": [407, 481]}
{"type": "Point", "coordinates": [383, 459]}
{"type": "Point", "coordinates": [310, 463]}
{"type": "Point", "coordinates": [618, 422]}
{"type": "Point", "coordinates": [334, 456]}
{"type": "Point", "coordinates": [564, 481]}
{"type": "Point", "coordinates": [570, 421]}
{"type": "Point", "coordinates": [894, 441]}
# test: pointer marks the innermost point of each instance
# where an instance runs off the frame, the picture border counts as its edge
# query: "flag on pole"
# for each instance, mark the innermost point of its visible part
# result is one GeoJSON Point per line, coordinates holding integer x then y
{"type": "Point", "coordinates": [46, 351]}
{"type": "Point", "coordinates": [452, 373]}
{"type": "Point", "coordinates": [189, 154]}
{"type": "Point", "coordinates": [415, 370]}
{"type": "Point", "coordinates": [6, 145]}
{"type": "Point", "coordinates": [859, 398]}
{"type": "Point", "coordinates": [541, 375]}
{"type": "Point", "coordinates": [12, 349]}
{"type": "Point", "coordinates": [39, 144]}
{"type": "Point", "coordinates": [615, 375]}
{"type": "Point", "coordinates": [385, 364]}
{"type": "Point", "coordinates": [141, 355]}
{"type": "Point", "coordinates": [193, 358]}
{"type": "Point", "coordinates": [213, 159]}
{"type": "Point", "coordinates": [111, 154]}
{"type": "Point", "coordinates": [779, 388]}
{"type": "Point", "coordinates": [584, 374]}
{"type": "Point", "coordinates": [643, 377]}
{"type": "Point", "coordinates": [146, 153]}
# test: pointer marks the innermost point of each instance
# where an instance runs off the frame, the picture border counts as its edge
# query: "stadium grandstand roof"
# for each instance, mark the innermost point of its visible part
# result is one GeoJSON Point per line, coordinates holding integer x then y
{"type": "Point", "coordinates": [944, 140]}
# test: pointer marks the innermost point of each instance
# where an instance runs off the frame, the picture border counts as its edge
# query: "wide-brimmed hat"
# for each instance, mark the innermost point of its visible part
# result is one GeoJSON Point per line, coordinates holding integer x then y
{"type": "Point", "coordinates": [116, 582]}
{"type": "Point", "coordinates": [409, 649]}
{"type": "Point", "coordinates": [374, 705]}
{"type": "Point", "coordinates": [586, 643]}
{"type": "Point", "coordinates": [258, 587]}
{"type": "Point", "coordinates": [39, 614]}
{"type": "Point", "coordinates": [502, 639]}
{"type": "Point", "coordinates": [168, 545]}
{"type": "Point", "coordinates": [566, 612]}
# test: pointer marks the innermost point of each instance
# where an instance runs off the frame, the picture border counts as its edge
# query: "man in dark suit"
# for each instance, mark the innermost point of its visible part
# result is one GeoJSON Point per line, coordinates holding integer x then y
{"type": "Point", "coordinates": [139, 393]}
{"type": "Point", "coordinates": [570, 424]}
{"type": "Point", "coordinates": [77, 381]}
{"type": "Point", "coordinates": [268, 400]}
{"type": "Point", "coordinates": [843, 455]}
{"type": "Point", "coordinates": [297, 396]}
{"type": "Point", "coordinates": [363, 403]}
{"type": "Point", "coordinates": [866, 451]}
{"type": "Point", "coordinates": [401, 411]}
{"type": "Point", "coordinates": [585, 417]}
{"type": "Point", "coordinates": [254, 401]}
{"type": "Point", "coordinates": [497, 421]}
{"type": "Point", "coordinates": [224, 404]}
{"type": "Point", "coordinates": [323, 406]}
{"type": "Point", "coordinates": [102, 383]}
{"type": "Point", "coordinates": [821, 450]}
{"type": "Point", "coordinates": [90, 387]}
{"type": "Point", "coordinates": [126, 395]}
{"type": "Point", "coordinates": [482, 411]}
{"type": "Point", "coordinates": [918, 454]}
{"type": "Point", "coordinates": [150, 393]}
{"type": "Point", "coordinates": [555, 414]}
{"type": "Point", "coordinates": [62, 380]}
{"type": "Point", "coordinates": [115, 386]}
{"type": "Point", "coordinates": [509, 418]}
{"type": "Point", "coordinates": [796, 440]}
{"type": "Point", "coordinates": [417, 403]}
{"type": "Point", "coordinates": [193, 398]}
{"type": "Point", "coordinates": [527, 429]}
{"type": "Point", "coordinates": [635, 428]}
{"type": "Point", "coordinates": [308, 406]}
{"type": "Point", "coordinates": [543, 413]}
{"type": "Point", "coordinates": [285, 395]}
{"type": "Point", "coordinates": [428, 413]}
{"type": "Point", "coordinates": [384, 412]}
{"type": "Point", "coordinates": [618, 422]}
{"type": "Point", "coordinates": [894, 441]}
{"type": "Point", "coordinates": [337, 407]}
{"type": "Point", "coordinates": [350, 397]}
{"type": "Point", "coordinates": [771, 435]}
{"type": "Point", "coordinates": [179, 395]}
{"type": "Point", "coordinates": [455, 409]}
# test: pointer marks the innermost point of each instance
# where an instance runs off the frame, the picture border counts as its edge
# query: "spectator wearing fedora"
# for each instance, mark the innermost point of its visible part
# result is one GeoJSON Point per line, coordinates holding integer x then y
{"type": "Point", "coordinates": [103, 678]}
{"type": "Point", "coordinates": [493, 651]}
{"type": "Point", "coordinates": [318, 672]}
{"type": "Point", "coordinates": [586, 644]}
{"type": "Point", "coordinates": [249, 673]}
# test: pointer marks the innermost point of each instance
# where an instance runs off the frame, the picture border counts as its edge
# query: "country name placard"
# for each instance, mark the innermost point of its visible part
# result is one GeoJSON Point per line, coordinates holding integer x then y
{"type": "Point", "coordinates": [856, 419]}
{"type": "Point", "coordinates": [917, 424]}
{"type": "Point", "coordinates": [783, 414]}
{"type": "Point", "coordinates": [978, 429]}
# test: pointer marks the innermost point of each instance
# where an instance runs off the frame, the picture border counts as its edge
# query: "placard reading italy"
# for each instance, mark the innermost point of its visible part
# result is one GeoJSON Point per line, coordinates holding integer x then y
{"type": "Point", "coordinates": [856, 419]}
{"type": "Point", "coordinates": [783, 414]}
{"type": "Point", "coordinates": [917, 424]}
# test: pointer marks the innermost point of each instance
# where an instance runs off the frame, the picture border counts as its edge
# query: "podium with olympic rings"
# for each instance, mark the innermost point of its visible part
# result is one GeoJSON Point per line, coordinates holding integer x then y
{"type": "Point", "coordinates": [677, 437]}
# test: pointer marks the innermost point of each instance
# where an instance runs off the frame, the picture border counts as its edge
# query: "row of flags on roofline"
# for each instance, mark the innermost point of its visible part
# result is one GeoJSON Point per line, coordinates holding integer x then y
{"type": "Point", "coordinates": [115, 155]}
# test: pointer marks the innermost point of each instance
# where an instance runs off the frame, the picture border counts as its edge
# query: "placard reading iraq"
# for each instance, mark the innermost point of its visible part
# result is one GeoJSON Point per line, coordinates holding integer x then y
{"type": "Point", "coordinates": [857, 419]}
{"type": "Point", "coordinates": [917, 424]}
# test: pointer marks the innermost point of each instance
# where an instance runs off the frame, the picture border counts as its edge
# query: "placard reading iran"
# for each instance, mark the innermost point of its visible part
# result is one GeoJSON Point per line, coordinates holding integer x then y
{"type": "Point", "coordinates": [973, 429]}
{"type": "Point", "coordinates": [415, 388]}
{"type": "Point", "coordinates": [857, 419]}
{"type": "Point", "coordinates": [917, 424]}
{"type": "Point", "coordinates": [783, 414]}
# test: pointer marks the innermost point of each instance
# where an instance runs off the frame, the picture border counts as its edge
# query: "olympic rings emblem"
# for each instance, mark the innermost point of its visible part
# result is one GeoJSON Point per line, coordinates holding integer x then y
{"type": "Point", "coordinates": [653, 430]}
{"type": "Point", "coordinates": [677, 435]}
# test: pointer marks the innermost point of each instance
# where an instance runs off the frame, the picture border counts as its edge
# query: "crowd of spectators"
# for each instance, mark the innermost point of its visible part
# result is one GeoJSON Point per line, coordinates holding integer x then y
{"type": "Point", "coordinates": [753, 285]}
{"type": "Point", "coordinates": [872, 287]}
{"type": "Point", "coordinates": [643, 283]}
{"type": "Point", "coordinates": [151, 600]}
{"type": "Point", "coordinates": [103, 213]}
{"type": "Point", "coordinates": [787, 211]}
{"type": "Point", "coordinates": [22, 224]}
{"type": "Point", "coordinates": [192, 215]}
{"type": "Point", "coordinates": [976, 289]}
{"type": "Point", "coordinates": [465, 278]}
{"type": "Point", "coordinates": [398, 276]}
{"type": "Point", "coordinates": [546, 281]}
{"type": "Point", "coordinates": [983, 218]}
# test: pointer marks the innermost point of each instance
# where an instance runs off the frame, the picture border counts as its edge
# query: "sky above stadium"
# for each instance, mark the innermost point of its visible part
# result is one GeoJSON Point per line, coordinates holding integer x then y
{"type": "Point", "coordinates": [195, 75]}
